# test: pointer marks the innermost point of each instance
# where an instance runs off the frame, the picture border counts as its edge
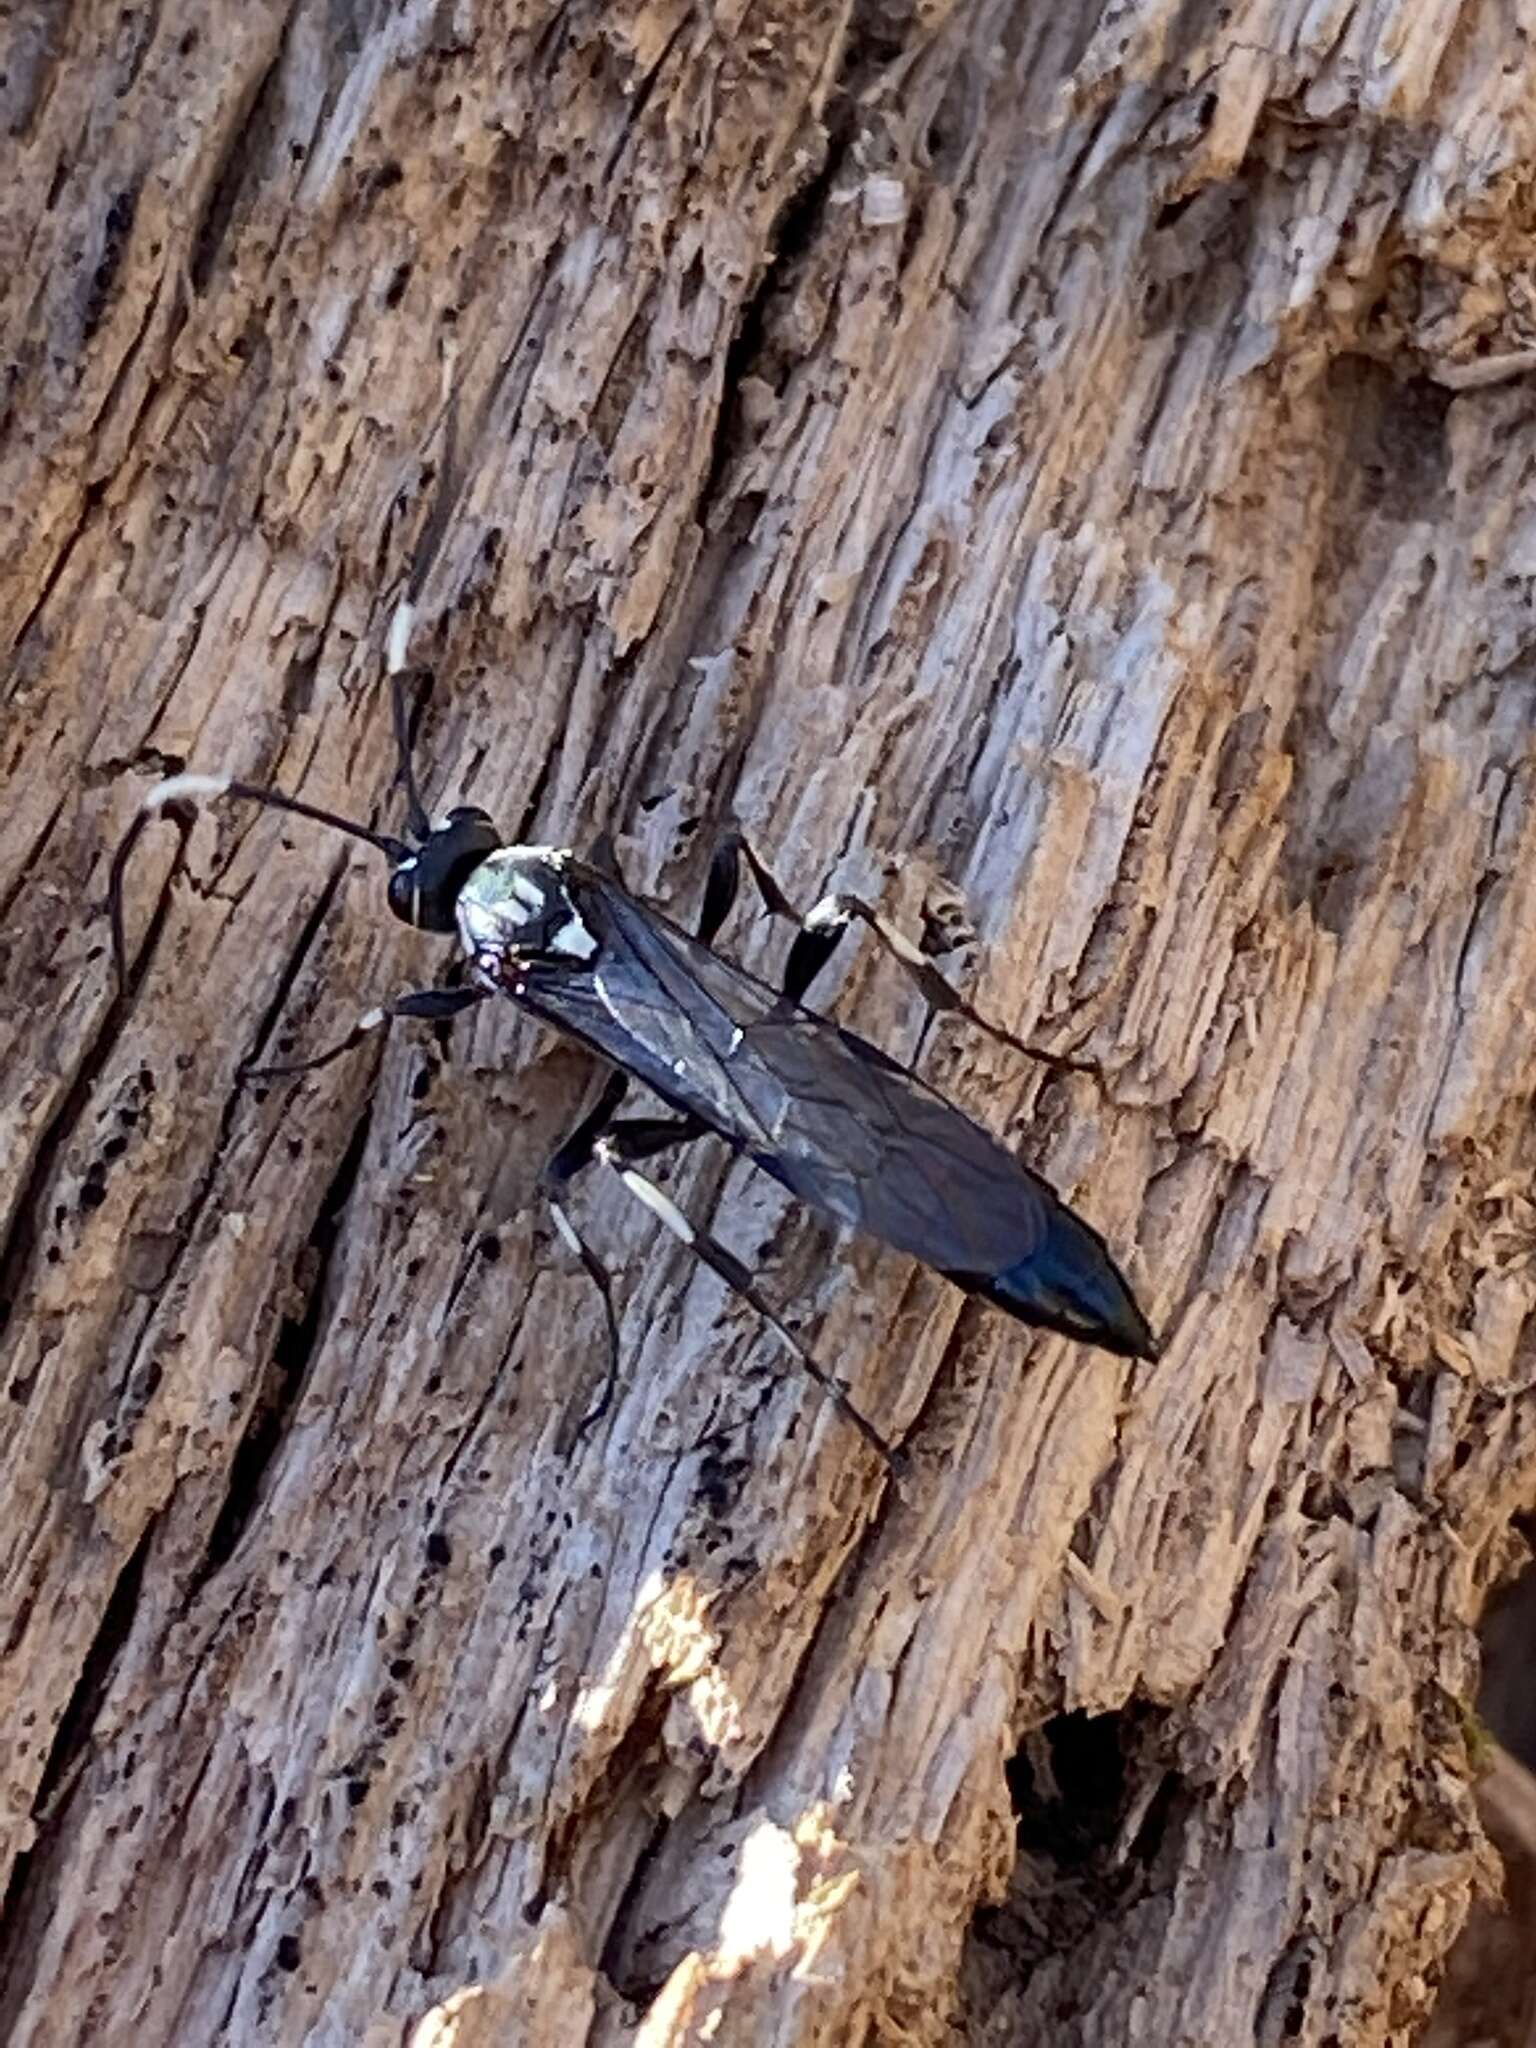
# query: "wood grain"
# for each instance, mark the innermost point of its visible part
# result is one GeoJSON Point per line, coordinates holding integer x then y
{"type": "Point", "coordinates": [1065, 471]}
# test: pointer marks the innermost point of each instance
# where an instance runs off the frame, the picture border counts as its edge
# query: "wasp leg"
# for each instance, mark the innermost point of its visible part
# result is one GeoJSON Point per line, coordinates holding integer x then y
{"type": "Point", "coordinates": [823, 927]}
{"type": "Point", "coordinates": [428, 1005]}
{"type": "Point", "coordinates": [612, 1152]}
{"type": "Point", "coordinates": [576, 1151]}
{"type": "Point", "coordinates": [646, 1136]}
{"type": "Point", "coordinates": [723, 885]}
{"type": "Point", "coordinates": [567, 1160]}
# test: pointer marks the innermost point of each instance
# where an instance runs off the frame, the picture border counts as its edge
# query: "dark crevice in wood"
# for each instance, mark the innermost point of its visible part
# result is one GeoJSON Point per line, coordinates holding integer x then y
{"type": "Point", "coordinates": [641, 95]}
{"type": "Point", "coordinates": [282, 986]}
{"type": "Point", "coordinates": [95, 1675]}
{"type": "Point", "coordinates": [648, 764]}
{"type": "Point", "coordinates": [29, 860]}
{"type": "Point", "coordinates": [116, 228]}
{"type": "Point", "coordinates": [49, 581]}
{"type": "Point", "coordinates": [607, 787]}
{"type": "Point", "coordinates": [634, 1760]}
{"type": "Point", "coordinates": [21, 1239]}
{"type": "Point", "coordinates": [750, 353]}
{"type": "Point", "coordinates": [1067, 1786]}
{"type": "Point", "coordinates": [287, 1368]}
{"type": "Point", "coordinates": [244, 159]}
{"type": "Point", "coordinates": [299, 683]}
{"type": "Point", "coordinates": [67, 1758]}
{"type": "Point", "coordinates": [1100, 1819]}
{"type": "Point", "coordinates": [622, 1931]}
{"type": "Point", "coordinates": [527, 822]}
{"type": "Point", "coordinates": [1390, 475]}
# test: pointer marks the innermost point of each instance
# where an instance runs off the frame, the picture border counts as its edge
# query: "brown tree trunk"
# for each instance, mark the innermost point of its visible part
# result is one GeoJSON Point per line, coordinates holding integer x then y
{"type": "Point", "coordinates": [1067, 470]}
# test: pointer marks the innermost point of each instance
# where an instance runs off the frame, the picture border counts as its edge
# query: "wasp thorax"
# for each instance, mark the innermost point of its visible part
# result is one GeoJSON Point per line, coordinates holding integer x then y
{"type": "Point", "coordinates": [516, 905]}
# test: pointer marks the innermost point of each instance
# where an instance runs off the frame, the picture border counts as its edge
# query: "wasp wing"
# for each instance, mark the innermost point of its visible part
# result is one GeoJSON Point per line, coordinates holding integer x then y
{"type": "Point", "coordinates": [831, 1117]}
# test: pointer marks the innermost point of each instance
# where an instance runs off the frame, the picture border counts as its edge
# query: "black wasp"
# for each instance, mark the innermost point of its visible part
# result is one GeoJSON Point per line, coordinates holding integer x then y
{"type": "Point", "coordinates": [829, 1115]}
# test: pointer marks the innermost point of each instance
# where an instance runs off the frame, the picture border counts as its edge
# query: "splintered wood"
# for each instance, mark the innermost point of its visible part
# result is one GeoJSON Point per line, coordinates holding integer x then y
{"type": "Point", "coordinates": [1066, 473]}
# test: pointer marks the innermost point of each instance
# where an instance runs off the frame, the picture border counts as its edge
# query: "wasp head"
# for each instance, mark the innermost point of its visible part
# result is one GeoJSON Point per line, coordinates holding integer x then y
{"type": "Point", "coordinates": [425, 885]}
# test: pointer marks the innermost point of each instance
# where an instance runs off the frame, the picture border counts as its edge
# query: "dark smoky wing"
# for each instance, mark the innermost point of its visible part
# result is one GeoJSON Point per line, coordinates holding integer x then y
{"type": "Point", "coordinates": [842, 1127]}
{"type": "Point", "coordinates": [877, 1149]}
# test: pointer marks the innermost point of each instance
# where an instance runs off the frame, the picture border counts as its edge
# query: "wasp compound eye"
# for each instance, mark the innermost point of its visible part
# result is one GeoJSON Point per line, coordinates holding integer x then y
{"type": "Point", "coordinates": [405, 892]}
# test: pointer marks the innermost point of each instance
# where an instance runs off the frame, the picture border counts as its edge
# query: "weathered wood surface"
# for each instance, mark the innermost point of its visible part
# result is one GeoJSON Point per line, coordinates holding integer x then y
{"type": "Point", "coordinates": [1488, 1999]}
{"type": "Point", "coordinates": [1073, 467]}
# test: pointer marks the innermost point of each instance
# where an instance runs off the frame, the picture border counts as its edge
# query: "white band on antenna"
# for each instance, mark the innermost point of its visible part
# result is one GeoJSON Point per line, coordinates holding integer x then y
{"type": "Point", "coordinates": [175, 787]}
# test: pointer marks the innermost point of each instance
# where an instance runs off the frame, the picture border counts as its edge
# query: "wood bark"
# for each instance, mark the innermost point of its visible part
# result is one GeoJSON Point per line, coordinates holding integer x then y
{"type": "Point", "coordinates": [1063, 468]}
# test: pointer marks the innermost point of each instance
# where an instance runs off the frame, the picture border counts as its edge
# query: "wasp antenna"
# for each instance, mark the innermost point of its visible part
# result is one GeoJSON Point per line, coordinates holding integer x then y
{"type": "Point", "coordinates": [177, 793]}
{"type": "Point", "coordinates": [400, 629]}
{"type": "Point", "coordinates": [187, 788]}
{"type": "Point", "coordinates": [175, 790]}
{"type": "Point", "coordinates": [118, 872]}
{"type": "Point", "coordinates": [397, 650]}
